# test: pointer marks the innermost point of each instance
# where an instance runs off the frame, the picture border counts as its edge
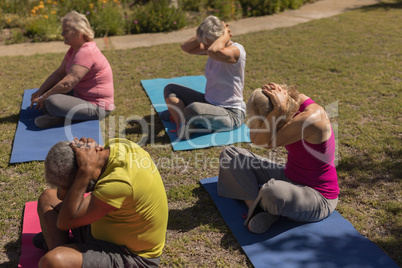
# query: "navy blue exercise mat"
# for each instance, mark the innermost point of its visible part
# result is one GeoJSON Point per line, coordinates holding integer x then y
{"type": "Point", "coordinates": [154, 89]}
{"type": "Point", "coordinates": [330, 243]}
{"type": "Point", "coordinates": [32, 143]}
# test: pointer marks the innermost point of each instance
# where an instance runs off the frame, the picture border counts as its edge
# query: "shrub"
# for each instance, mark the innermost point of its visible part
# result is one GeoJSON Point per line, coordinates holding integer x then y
{"type": "Point", "coordinates": [16, 37]}
{"type": "Point", "coordinates": [226, 9]}
{"type": "Point", "coordinates": [40, 20]}
{"type": "Point", "coordinates": [107, 20]}
{"type": "Point", "coordinates": [155, 16]}
{"type": "Point", "coordinates": [44, 28]}
{"type": "Point", "coordinates": [265, 7]}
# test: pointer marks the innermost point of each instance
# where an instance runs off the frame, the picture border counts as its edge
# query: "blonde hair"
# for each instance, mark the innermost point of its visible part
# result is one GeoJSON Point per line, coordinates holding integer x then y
{"type": "Point", "coordinates": [210, 29]}
{"type": "Point", "coordinates": [260, 105]}
{"type": "Point", "coordinates": [80, 23]}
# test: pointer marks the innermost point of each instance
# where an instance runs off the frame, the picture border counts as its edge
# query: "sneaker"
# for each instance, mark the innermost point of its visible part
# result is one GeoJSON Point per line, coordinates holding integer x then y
{"type": "Point", "coordinates": [261, 222]}
{"type": "Point", "coordinates": [39, 241]}
{"type": "Point", "coordinates": [46, 121]}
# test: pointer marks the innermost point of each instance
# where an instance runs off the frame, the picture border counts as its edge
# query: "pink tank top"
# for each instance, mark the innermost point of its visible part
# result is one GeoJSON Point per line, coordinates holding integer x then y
{"type": "Point", "coordinates": [313, 164]}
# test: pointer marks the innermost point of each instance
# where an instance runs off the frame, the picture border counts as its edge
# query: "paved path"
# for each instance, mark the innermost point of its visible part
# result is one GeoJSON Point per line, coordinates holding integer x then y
{"type": "Point", "coordinates": [308, 12]}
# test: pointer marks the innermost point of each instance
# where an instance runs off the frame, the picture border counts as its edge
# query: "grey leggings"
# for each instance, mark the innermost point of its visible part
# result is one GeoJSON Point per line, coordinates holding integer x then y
{"type": "Point", "coordinates": [246, 176]}
{"type": "Point", "coordinates": [68, 106]}
{"type": "Point", "coordinates": [199, 111]}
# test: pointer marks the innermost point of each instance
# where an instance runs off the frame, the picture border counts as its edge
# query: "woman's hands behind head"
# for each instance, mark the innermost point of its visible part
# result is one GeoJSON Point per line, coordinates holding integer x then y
{"type": "Point", "coordinates": [278, 95]}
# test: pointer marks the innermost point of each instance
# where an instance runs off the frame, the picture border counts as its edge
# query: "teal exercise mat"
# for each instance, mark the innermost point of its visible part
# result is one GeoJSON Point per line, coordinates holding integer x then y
{"type": "Point", "coordinates": [154, 89]}
{"type": "Point", "coordinates": [32, 143]}
{"type": "Point", "coordinates": [332, 242]}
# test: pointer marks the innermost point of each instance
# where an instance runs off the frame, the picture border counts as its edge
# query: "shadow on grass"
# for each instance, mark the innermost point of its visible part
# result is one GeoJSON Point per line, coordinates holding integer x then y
{"type": "Point", "coordinates": [396, 5]}
{"type": "Point", "coordinates": [203, 212]}
{"type": "Point", "coordinates": [150, 134]}
{"type": "Point", "coordinates": [13, 250]}
{"type": "Point", "coordinates": [386, 170]}
{"type": "Point", "coordinates": [10, 119]}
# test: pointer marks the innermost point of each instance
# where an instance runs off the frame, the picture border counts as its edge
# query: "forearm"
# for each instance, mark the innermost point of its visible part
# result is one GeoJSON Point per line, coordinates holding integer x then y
{"type": "Point", "coordinates": [192, 46]}
{"type": "Point", "coordinates": [220, 51]}
{"type": "Point", "coordinates": [219, 44]}
{"type": "Point", "coordinates": [50, 82]}
{"type": "Point", "coordinates": [62, 87]}
{"type": "Point", "coordinates": [70, 213]}
{"type": "Point", "coordinates": [264, 133]}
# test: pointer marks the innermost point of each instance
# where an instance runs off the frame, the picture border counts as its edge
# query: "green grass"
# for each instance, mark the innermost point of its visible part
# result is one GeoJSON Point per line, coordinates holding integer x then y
{"type": "Point", "coordinates": [351, 61]}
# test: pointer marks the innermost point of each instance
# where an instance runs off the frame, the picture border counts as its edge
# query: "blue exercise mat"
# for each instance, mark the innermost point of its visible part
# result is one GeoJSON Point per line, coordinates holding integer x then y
{"type": "Point", "coordinates": [154, 89]}
{"type": "Point", "coordinates": [330, 243]}
{"type": "Point", "coordinates": [32, 143]}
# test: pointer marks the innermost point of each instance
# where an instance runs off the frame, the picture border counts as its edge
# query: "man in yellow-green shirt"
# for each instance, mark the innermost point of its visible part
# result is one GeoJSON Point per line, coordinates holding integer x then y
{"type": "Point", "coordinates": [122, 223]}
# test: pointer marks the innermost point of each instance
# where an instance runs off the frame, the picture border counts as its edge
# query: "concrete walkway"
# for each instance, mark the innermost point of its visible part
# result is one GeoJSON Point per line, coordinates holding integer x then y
{"type": "Point", "coordinates": [308, 12]}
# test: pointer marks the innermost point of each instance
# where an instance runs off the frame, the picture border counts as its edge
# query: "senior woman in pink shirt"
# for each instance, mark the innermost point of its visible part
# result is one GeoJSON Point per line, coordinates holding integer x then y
{"type": "Point", "coordinates": [81, 88]}
{"type": "Point", "coordinates": [306, 188]}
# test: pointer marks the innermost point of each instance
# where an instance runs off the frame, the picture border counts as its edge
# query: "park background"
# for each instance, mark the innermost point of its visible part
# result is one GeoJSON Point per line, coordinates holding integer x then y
{"type": "Point", "coordinates": [353, 59]}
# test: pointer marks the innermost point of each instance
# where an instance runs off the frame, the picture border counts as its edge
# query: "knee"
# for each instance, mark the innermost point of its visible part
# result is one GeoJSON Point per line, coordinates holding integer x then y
{"type": "Point", "coordinates": [167, 91]}
{"type": "Point", "coordinates": [50, 259]}
{"type": "Point", "coordinates": [51, 103]}
{"type": "Point", "coordinates": [273, 197]}
{"type": "Point", "coordinates": [191, 111]}
{"type": "Point", "coordinates": [226, 159]}
{"type": "Point", "coordinates": [226, 156]}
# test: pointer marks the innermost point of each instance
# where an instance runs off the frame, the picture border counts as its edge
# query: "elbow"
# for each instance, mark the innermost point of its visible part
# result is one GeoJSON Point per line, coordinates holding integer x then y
{"type": "Point", "coordinates": [182, 46]}
{"type": "Point", "coordinates": [185, 48]}
{"type": "Point", "coordinates": [61, 226]}
{"type": "Point", "coordinates": [67, 86]}
{"type": "Point", "coordinates": [260, 141]}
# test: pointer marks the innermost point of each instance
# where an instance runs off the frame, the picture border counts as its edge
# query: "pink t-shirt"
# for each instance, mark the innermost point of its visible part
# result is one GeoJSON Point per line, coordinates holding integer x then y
{"type": "Point", "coordinates": [97, 85]}
{"type": "Point", "coordinates": [313, 164]}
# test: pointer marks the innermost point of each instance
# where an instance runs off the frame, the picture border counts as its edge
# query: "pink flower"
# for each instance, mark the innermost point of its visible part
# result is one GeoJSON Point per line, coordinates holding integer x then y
{"type": "Point", "coordinates": [136, 21]}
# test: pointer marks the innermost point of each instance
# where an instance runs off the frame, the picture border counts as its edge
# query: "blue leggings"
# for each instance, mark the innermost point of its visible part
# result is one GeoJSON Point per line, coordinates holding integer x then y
{"type": "Point", "coordinates": [198, 111]}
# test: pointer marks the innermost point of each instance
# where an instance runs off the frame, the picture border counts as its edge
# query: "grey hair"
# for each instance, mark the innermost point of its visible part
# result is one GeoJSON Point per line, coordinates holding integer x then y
{"type": "Point", "coordinates": [260, 105]}
{"type": "Point", "coordinates": [61, 166]}
{"type": "Point", "coordinates": [209, 30]}
{"type": "Point", "coordinates": [80, 23]}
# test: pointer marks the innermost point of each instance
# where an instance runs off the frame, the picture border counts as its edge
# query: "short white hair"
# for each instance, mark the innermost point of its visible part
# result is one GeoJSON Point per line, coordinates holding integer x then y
{"type": "Point", "coordinates": [209, 30]}
{"type": "Point", "coordinates": [80, 23]}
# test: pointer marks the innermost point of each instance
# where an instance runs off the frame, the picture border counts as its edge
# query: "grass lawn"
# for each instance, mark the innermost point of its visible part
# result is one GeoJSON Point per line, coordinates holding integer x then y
{"type": "Point", "coordinates": [350, 64]}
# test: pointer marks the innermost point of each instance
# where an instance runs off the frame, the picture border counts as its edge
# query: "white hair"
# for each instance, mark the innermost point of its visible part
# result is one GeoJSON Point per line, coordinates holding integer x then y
{"type": "Point", "coordinates": [209, 30]}
{"type": "Point", "coordinates": [80, 23]}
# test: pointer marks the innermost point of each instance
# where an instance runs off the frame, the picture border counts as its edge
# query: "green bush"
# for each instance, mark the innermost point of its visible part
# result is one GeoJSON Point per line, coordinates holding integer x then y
{"type": "Point", "coordinates": [44, 28]}
{"type": "Point", "coordinates": [40, 20]}
{"type": "Point", "coordinates": [266, 7]}
{"type": "Point", "coordinates": [155, 16]}
{"type": "Point", "coordinates": [108, 20]}
{"type": "Point", "coordinates": [192, 5]}
{"type": "Point", "coordinates": [226, 9]}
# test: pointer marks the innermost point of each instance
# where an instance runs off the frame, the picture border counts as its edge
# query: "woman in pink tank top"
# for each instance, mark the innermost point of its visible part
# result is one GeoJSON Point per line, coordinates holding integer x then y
{"type": "Point", "coordinates": [306, 188]}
